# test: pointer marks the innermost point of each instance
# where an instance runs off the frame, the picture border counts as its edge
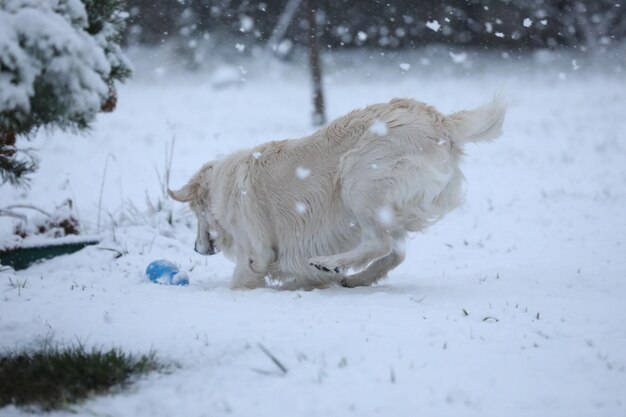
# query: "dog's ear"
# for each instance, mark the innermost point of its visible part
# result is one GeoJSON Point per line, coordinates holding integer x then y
{"type": "Point", "coordinates": [188, 193]}
{"type": "Point", "coordinates": [196, 188]}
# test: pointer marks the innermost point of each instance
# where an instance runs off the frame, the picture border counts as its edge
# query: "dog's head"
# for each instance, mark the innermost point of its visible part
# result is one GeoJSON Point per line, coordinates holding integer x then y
{"type": "Point", "coordinates": [197, 194]}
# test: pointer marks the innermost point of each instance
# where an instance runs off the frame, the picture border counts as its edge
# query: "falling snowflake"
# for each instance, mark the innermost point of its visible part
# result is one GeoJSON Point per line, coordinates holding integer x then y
{"type": "Point", "coordinates": [302, 172]}
{"type": "Point", "coordinates": [256, 155]}
{"type": "Point", "coordinates": [246, 24]}
{"type": "Point", "coordinates": [300, 208]}
{"type": "Point", "coordinates": [499, 34]}
{"type": "Point", "coordinates": [362, 36]}
{"type": "Point", "coordinates": [240, 47]}
{"type": "Point", "coordinates": [399, 245]}
{"type": "Point", "coordinates": [458, 58]}
{"type": "Point", "coordinates": [575, 65]}
{"type": "Point", "coordinates": [527, 22]}
{"type": "Point", "coordinates": [405, 66]}
{"type": "Point", "coordinates": [379, 128]}
{"type": "Point", "coordinates": [433, 25]}
{"type": "Point", "coordinates": [385, 215]}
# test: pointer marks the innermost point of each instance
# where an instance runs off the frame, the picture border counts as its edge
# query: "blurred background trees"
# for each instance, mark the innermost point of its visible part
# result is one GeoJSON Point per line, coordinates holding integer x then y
{"type": "Point", "coordinates": [45, 50]}
{"type": "Point", "coordinates": [202, 29]}
{"type": "Point", "coordinates": [387, 24]}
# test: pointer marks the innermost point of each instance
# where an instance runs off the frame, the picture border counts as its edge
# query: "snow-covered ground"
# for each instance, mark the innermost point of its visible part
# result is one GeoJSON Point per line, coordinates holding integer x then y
{"type": "Point", "coordinates": [514, 305]}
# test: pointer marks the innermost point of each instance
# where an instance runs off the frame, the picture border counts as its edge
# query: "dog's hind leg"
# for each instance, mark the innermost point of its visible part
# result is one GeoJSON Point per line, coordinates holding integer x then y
{"type": "Point", "coordinates": [376, 243]}
{"type": "Point", "coordinates": [368, 189]}
{"type": "Point", "coordinates": [379, 268]}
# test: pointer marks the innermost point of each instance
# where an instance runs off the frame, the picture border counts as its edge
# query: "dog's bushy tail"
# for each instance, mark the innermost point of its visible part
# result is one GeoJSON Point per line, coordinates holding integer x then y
{"type": "Point", "coordinates": [481, 124]}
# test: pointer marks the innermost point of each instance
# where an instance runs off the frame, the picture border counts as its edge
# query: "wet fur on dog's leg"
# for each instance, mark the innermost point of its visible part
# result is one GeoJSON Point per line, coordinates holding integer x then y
{"type": "Point", "coordinates": [323, 268]}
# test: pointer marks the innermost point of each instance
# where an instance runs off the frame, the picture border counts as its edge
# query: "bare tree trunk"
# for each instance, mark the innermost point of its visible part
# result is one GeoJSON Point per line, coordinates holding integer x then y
{"type": "Point", "coordinates": [11, 168]}
{"type": "Point", "coordinates": [7, 143]}
{"type": "Point", "coordinates": [319, 117]}
{"type": "Point", "coordinates": [111, 102]}
{"type": "Point", "coordinates": [283, 24]}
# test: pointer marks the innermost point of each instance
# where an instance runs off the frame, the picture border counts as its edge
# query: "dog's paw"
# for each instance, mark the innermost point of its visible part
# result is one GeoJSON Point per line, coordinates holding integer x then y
{"type": "Point", "coordinates": [320, 264]}
{"type": "Point", "coordinates": [325, 269]}
{"type": "Point", "coordinates": [346, 284]}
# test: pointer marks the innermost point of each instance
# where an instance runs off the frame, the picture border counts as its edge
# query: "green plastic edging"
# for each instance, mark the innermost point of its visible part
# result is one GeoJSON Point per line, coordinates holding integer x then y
{"type": "Point", "coordinates": [22, 258]}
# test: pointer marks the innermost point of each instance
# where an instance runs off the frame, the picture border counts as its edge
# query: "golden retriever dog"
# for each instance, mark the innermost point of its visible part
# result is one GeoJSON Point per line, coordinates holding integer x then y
{"type": "Point", "coordinates": [335, 207]}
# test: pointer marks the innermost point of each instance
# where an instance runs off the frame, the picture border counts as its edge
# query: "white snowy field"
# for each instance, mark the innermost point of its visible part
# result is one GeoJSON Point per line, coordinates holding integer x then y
{"type": "Point", "coordinates": [514, 305]}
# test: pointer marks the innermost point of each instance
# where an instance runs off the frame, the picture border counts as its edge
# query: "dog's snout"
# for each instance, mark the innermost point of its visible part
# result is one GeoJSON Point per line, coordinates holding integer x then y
{"type": "Point", "coordinates": [211, 250]}
{"type": "Point", "coordinates": [205, 246]}
{"type": "Point", "coordinates": [204, 251]}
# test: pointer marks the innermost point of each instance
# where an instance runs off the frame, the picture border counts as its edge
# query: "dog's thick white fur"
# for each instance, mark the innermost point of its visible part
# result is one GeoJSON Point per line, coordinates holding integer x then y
{"type": "Point", "coordinates": [335, 207]}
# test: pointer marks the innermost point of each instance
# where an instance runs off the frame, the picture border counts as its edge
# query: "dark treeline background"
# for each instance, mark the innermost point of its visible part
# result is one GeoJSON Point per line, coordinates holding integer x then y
{"type": "Point", "coordinates": [520, 24]}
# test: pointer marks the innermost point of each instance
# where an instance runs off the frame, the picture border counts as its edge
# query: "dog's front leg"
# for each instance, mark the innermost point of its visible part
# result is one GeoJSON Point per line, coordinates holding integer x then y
{"type": "Point", "coordinates": [245, 277]}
